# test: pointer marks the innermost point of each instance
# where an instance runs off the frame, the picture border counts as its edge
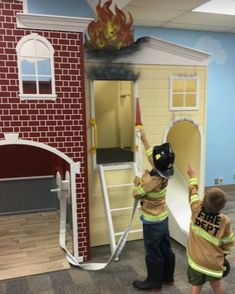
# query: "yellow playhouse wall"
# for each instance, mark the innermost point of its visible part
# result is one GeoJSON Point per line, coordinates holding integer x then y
{"type": "Point", "coordinates": [153, 93]}
{"type": "Point", "coordinates": [153, 87]}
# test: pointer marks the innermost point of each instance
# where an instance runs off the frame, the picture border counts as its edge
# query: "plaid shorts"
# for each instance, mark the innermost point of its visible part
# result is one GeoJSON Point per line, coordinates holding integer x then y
{"type": "Point", "coordinates": [197, 279]}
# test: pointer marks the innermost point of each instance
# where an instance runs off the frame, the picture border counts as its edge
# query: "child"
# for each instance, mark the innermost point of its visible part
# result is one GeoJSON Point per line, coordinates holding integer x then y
{"type": "Point", "coordinates": [210, 237]}
{"type": "Point", "coordinates": [151, 189]}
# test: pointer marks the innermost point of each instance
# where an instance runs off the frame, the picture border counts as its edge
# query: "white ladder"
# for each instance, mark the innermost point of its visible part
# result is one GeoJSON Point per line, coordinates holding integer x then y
{"type": "Point", "coordinates": [108, 209]}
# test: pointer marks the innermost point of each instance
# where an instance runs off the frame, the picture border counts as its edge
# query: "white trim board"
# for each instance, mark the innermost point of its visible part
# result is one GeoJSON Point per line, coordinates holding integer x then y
{"type": "Point", "coordinates": [156, 51]}
{"type": "Point", "coordinates": [51, 22]}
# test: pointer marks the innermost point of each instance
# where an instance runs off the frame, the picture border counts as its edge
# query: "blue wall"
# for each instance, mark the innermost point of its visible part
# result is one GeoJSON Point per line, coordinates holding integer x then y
{"type": "Point", "coordinates": [78, 8]}
{"type": "Point", "coordinates": [220, 142]}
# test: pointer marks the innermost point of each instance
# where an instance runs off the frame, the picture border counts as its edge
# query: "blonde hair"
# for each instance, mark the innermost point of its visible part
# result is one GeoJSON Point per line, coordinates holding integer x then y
{"type": "Point", "coordinates": [214, 200]}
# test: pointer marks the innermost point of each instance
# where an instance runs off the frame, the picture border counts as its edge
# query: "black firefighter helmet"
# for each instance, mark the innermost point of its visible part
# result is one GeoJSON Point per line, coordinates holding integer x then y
{"type": "Point", "coordinates": [163, 159]}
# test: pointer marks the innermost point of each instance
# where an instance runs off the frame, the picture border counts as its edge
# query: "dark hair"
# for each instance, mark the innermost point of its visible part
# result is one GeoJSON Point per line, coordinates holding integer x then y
{"type": "Point", "coordinates": [214, 200]}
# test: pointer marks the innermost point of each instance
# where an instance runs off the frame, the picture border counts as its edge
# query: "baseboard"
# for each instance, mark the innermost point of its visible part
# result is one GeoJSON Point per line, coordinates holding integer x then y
{"type": "Point", "coordinates": [225, 188]}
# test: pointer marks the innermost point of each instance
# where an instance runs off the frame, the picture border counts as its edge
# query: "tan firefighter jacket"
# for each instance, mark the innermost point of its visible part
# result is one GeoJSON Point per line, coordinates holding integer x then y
{"type": "Point", "coordinates": [210, 236]}
{"type": "Point", "coordinates": [152, 192]}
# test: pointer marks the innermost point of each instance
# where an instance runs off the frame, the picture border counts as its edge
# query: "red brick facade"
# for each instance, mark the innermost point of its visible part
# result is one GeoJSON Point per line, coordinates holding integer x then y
{"type": "Point", "coordinates": [61, 123]}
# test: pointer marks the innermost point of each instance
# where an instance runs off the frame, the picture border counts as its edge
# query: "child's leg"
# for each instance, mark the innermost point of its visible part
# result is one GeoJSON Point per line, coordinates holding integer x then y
{"type": "Point", "coordinates": [217, 286]}
{"type": "Point", "coordinates": [196, 289]}
{"type": "Point", "coordinates": [169, 257]}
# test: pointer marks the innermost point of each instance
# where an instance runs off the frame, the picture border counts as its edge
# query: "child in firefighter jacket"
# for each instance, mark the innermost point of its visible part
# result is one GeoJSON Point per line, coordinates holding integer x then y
{"type": "Point", "coordinates": [210, 237]}
{"type": "Point", "coordinates": [151, 190]}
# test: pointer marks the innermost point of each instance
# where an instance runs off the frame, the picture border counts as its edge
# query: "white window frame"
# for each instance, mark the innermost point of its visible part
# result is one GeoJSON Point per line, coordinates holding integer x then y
{"type": "Point", "coordinates": [35, 37]}
{"type": "Point", "coordinates": [183, 78]}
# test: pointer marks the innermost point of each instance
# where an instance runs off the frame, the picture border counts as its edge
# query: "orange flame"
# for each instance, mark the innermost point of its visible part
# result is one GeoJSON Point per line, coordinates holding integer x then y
{"type": "Point", "coordinates": [110, 31]}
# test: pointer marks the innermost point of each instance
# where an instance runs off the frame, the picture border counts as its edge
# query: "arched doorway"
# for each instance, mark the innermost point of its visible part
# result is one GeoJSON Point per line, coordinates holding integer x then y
{"type": "Point", "coordinates": [28, 168]}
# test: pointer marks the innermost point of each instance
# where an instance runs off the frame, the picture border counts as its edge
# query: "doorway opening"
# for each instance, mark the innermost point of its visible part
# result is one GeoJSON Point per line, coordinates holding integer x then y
{"type": "Point", "coordinates": [113, 106]}
{"type": "Point", "coordinates": [186, 140]}
{"type": "Point", "coordinates": [29, 211]}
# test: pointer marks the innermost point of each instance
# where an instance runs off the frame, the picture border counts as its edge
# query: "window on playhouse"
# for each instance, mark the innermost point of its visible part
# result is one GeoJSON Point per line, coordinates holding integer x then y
{"type": "Point", "coordinates": [36, 68]}
{"type": "Point", "coordinates": [184, 93]}
{"type": "Point", "coordinates": [112, 121]}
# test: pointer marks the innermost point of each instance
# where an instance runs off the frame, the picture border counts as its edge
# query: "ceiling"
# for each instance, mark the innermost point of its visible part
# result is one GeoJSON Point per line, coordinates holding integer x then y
{"type": "Point", "coordinates": [176, 14]}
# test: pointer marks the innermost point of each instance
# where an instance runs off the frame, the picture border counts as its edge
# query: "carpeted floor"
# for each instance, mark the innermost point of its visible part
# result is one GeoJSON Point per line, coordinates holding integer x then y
{"type": "Point", "coordinates": [117, 278]}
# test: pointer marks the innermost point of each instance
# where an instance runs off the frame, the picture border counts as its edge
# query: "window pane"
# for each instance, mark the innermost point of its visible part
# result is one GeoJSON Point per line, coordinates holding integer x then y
{"type": "Point", "coordinates": [45, 85]}
{"type": "Point", "coordinates": [28, 66]}
{"type": "Point", "coordinates": [29, 85]}
{"type": "Point", "coordinates": [191, 85]}
{"type": "Point", "coordinates": [44, 67]}
{"type": "Point", "coordinates": [42, 49]}
{"type": "Point", "coordinates": [190, 100]}
{"type": "Point", "coordinates": [178, 85]}
{"type": "Point", "coordinates": [178, 100]}
{"type": "Point", "coordinates": [28, 49]}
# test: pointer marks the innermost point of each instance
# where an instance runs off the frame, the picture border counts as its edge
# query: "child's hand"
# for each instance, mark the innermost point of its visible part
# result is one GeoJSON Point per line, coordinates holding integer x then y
{"type": "Point", "coordinates": [136, 181]}
{"type": "Point", "coordinates": [191, 171]}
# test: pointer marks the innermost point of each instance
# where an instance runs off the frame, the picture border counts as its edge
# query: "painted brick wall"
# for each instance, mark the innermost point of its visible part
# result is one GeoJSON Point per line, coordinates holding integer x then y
{"type": "Point", "coordinates": [60, 124]}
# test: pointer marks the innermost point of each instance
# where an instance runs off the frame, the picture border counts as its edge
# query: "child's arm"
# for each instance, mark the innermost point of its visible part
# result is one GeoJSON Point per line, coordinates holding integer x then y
{"type": "Point", "coordinates": [147, 146]}
{"type": "Point", "coordinates": [193, 186]}
{"type": "Point", "coordinates": [228, 239]}
{"type": "Point", "coordinates": [145, 185]}
{"type": "Point", "coordinates": [144, 139]}
{"type": "Point", "coordinates": [138, 191]}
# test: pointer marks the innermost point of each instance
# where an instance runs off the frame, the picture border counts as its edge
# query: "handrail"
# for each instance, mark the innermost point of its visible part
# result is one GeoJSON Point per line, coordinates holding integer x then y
{"type": "Point", "coordinates": [94, 126]}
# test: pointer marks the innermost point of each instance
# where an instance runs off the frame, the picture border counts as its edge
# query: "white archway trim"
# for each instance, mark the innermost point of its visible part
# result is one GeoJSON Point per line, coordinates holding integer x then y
{"type": "Point", "coordinates": [202, 152]}
{"type": "Point", "coordinates": [74, 169]}
{"type": "Point", "coordinates": [34, 36]}
{"type": "Point", "coordinates": [9, 141]}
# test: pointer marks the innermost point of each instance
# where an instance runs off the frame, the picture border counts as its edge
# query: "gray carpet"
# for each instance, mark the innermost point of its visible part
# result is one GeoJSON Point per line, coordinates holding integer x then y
{"type": "Point", "coordinates": [117, 278]}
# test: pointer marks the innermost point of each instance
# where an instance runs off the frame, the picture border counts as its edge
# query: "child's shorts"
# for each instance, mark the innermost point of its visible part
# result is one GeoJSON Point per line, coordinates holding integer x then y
{"type": "Point", "coordinates": [195, 278]}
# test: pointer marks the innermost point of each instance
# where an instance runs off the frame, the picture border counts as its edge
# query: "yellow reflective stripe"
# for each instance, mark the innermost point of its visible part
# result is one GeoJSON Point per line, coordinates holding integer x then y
{"type": "Point", "coordinates": [158, 194]}
{"type": "Point", "coordinates": [141, 190]}
{"type": "Point", "coordinates": [192, 181]}
{"type": "Point", "coordinates": [204, 270]}
{"type": "Point", "coordinates": [203, 234]}
{"type": "Point", "coordinates": [194, 198]}
{"type": "Point", "coordinates": [155, 218]}
{"type": "Point", "coordinates": [227, 251]}
{"type": "Point", "coordinates": [149, 152]}
{"type": "Point", "coordinates": [228, 239]}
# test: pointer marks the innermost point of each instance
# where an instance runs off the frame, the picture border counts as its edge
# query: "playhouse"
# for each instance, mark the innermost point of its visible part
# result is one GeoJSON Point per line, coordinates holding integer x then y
{"type": "Point", "coordinates": [66, 114]}
{"type": "Point", "coordinates": [170, 82]}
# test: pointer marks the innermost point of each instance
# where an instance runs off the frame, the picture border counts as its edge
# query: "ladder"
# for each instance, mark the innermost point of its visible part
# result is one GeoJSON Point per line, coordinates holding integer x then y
{"type": "Point", "coordinates": [105, 188]}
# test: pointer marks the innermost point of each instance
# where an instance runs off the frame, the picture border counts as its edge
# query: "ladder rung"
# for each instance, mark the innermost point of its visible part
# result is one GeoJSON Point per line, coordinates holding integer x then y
{"type": "Point", "coordinates": [109, 210]}
{"type": "Point", "coordinates": [131, 231]}
{"type": "Point", "coordinates": [118, 166]}
{"type": "Point", "coordinates": [119, 185]}
{"type": "Point", "coordinates": [120, 209]}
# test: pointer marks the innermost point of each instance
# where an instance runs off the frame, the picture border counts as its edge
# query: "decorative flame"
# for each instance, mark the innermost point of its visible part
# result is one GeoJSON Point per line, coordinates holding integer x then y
{"type": "Point", "coordinates": [110, 31]}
